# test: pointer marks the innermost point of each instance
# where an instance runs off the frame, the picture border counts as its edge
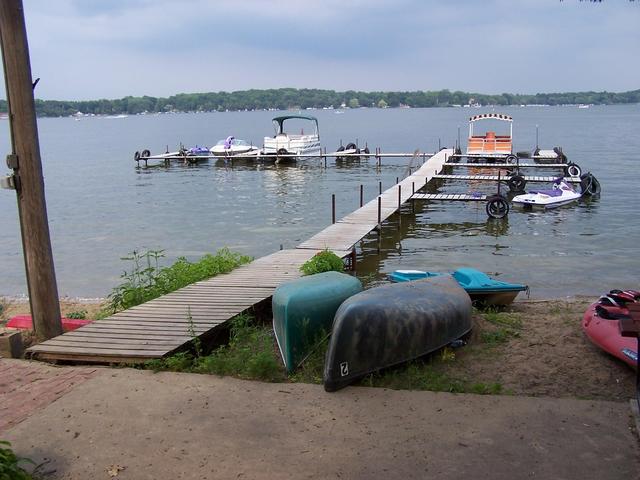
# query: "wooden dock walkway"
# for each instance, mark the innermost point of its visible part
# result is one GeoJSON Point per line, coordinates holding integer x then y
{"type": "Point", "coordinates": [162, 326]}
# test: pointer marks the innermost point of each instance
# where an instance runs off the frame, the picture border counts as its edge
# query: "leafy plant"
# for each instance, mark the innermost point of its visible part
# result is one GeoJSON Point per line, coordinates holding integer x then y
{"type": "Point", "coordinates": [249, 354]}
{"type": "Point", "coordinates": [78, 315]}
{"type": "Point", "coordinates": [324, 261]}
{"type": "Point", "coordinates": [10, 468]}
{"type": "Point", "coordinates": [197, 343]}
{"type": "Point", "coordinates": [147, 280]}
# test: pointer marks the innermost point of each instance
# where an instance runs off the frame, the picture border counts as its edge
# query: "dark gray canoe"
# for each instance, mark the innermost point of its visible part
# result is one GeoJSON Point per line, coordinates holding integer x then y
{"type": "Point", "coordinates": [388, 325]}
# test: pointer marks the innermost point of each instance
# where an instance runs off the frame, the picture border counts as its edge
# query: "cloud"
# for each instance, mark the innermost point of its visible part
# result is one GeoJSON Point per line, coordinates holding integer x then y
{"type": "Point", "coordinates": [96, 49]}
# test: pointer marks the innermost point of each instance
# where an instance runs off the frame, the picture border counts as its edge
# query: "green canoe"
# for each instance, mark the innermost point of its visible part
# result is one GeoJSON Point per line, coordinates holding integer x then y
{"type": "Point", "coordinates": [303, 312]}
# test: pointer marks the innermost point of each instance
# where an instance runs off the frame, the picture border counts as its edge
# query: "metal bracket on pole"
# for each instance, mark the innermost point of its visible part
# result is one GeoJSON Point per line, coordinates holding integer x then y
{"type": "Point", "coordinates": [9, 182]}
{"type": "Point", "coordinates": [12, 161]}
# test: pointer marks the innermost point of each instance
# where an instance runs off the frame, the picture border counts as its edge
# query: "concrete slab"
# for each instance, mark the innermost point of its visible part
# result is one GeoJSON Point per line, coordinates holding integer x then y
{"type": "Point", "coordinates": [141, 425]}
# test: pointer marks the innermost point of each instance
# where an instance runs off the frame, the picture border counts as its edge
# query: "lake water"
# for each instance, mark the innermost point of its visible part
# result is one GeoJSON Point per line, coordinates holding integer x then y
{"type": "Point", "coordinates": [101, 207]}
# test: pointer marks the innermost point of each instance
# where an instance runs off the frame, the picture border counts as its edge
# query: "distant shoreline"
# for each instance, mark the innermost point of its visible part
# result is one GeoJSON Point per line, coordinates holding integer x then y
{"type": "Point", "coordinates": [303, 99]}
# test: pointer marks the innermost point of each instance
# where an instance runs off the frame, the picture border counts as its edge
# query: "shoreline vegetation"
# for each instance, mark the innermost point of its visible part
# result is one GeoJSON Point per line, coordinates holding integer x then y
{"type": "Point", "coordinates": [534, 348]}
{"type": "Point", "coordinates": [301, 99]}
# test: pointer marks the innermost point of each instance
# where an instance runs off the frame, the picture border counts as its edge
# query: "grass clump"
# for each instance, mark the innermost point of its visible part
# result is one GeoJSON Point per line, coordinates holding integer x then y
{"type": "Point", "coordinates": [324, 261]}
{"type": "Point", "coordinates": [506, 326]}
{"type": "Point", "coordinates": [249, 354]}
{"type": "Point", "coordinates": [147, 280]}
{"type": "Point", "coordinates": [77, 315]}
{"type": "Point", "coordinates": [10, 464]}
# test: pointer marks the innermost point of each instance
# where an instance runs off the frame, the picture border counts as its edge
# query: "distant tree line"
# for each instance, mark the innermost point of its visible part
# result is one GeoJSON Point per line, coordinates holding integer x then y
{"type": "Point", "coordinates": [291, 98]}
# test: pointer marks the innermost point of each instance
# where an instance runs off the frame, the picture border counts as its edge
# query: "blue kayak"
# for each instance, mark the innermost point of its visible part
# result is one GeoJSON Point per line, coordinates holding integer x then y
{"type": "Point", "coordinates": [481, 288]}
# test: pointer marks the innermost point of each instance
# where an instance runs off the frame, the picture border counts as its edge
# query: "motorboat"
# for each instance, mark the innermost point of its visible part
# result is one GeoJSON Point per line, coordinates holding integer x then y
{"type": "Point", "coordinates": [482, 289]}
{"type": "Point", "coordinates": [489, 145]}
{"type": "Point", "coordinates": [561, 193]}
{"type": "Point", "coordinates": [290, 144]}
{"type": "Point", "coordinates": [232, 146]}
{"type": "Point", "coordinates": [395, 323]}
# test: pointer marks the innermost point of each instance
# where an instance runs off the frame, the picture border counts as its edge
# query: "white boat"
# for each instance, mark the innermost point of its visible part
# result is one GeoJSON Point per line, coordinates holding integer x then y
{"type": "Point", "coordinates": [285, 143]}
{"type": "Point", "coordinates": [560, 194]}
{"type": "Point", "coordinates": [490, 145]}
{"type": "Point", "coordinates": [232, 147]}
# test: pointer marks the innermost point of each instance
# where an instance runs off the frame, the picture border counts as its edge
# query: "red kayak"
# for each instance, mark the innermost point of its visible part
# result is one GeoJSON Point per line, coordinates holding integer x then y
{"type": "Point", "coordinates": [600, 323]}
{"type": "Point", "coordinates": [24, 322]}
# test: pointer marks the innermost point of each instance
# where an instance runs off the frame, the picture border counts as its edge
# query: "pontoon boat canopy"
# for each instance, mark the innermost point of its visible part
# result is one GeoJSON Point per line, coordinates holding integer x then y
{"type": "Point", "coordinates": [280, 120]}
{"type": "Point", "coordinates": [494, 116]}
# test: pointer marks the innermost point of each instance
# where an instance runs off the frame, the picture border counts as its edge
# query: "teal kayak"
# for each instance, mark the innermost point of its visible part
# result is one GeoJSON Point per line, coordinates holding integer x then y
{"type": "Point", "coordinates": [303, 312]}
{"type": "Point", "coordinates": [481, 288]}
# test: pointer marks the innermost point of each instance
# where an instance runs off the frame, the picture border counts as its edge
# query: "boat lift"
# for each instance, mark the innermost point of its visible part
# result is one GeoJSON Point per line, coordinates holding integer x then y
{"type": "Point", "coordinates": [497, 205]}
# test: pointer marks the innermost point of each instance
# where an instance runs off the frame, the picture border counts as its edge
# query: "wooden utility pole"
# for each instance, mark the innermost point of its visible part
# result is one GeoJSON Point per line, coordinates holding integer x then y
{"type": "Point", "coordinates": [27, 172]}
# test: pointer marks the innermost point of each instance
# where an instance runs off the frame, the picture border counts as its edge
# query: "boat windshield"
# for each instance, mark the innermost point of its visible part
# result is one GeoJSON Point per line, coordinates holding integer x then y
{"type": "Point", "coordinates": [234, 142]}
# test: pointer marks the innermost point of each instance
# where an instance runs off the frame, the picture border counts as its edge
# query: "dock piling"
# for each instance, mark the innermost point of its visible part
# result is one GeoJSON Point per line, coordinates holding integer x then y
{"type": "Point", "coordinates": [361, 195]}
{"type": "Point", "coordinates": [333, 208]}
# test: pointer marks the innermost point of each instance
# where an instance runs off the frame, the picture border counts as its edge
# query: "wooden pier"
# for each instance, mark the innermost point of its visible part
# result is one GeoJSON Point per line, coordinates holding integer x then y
{"type": "Point", "coordinates": [165, 325]}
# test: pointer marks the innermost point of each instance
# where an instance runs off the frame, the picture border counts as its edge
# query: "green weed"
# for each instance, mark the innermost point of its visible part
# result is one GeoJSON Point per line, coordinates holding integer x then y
{"type": "Point", "coordinates": [486, 389]}
{"type": "Point", "coordinates": [249, 354]}
{"type": "Point", "coordinates": [312, 368]}
{"type": "Point", "coordinates": [508, 325]}
{"type": "Point", "coordinates": [78, 315]}
{"type": "Point", "coordinates": [324, 261]}
{"type": "Point", "coordinates": [10, 464]}
{"type": "Point", "coordinates": [147, 280]}
{"type": "Point", "coordinates": [416, 375]}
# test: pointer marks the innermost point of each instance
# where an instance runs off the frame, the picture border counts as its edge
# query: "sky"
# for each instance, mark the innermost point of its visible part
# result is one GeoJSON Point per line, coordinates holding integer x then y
{"type": "Point", "coordinates": [91, 49]}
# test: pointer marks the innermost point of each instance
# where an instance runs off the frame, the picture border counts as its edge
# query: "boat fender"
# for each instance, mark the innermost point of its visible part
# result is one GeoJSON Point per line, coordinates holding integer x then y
{"type": "Point", "coordinates": [511, 158]}
{"type": "Point", "coordinates": [516, 183]}
{"type": "Point", "coordinates": [573, 170]}
{"type": "Point", "coordinates": [145, 153]}
{"type": "Point", "coordinates": [589, 185]}
{"type": "Point", "coordinates": [523, 154]}
{"type": "Point", "coordinates": [282, 151]}
{"type": "Point", "coordinates": [136, 156]}
{"type": "Point", "coordinates": [497, 207]}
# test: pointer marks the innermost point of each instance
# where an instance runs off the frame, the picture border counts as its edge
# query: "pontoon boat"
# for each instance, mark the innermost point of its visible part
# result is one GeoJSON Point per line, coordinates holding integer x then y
{"type": "Point", "coordinates": [288, 143]}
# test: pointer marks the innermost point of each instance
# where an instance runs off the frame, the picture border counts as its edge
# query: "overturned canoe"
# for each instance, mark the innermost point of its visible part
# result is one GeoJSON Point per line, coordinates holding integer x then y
{"type": "Point", "coordinates": [394, 323]}
{"type": "Point", "coordinates": [303, 311]}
